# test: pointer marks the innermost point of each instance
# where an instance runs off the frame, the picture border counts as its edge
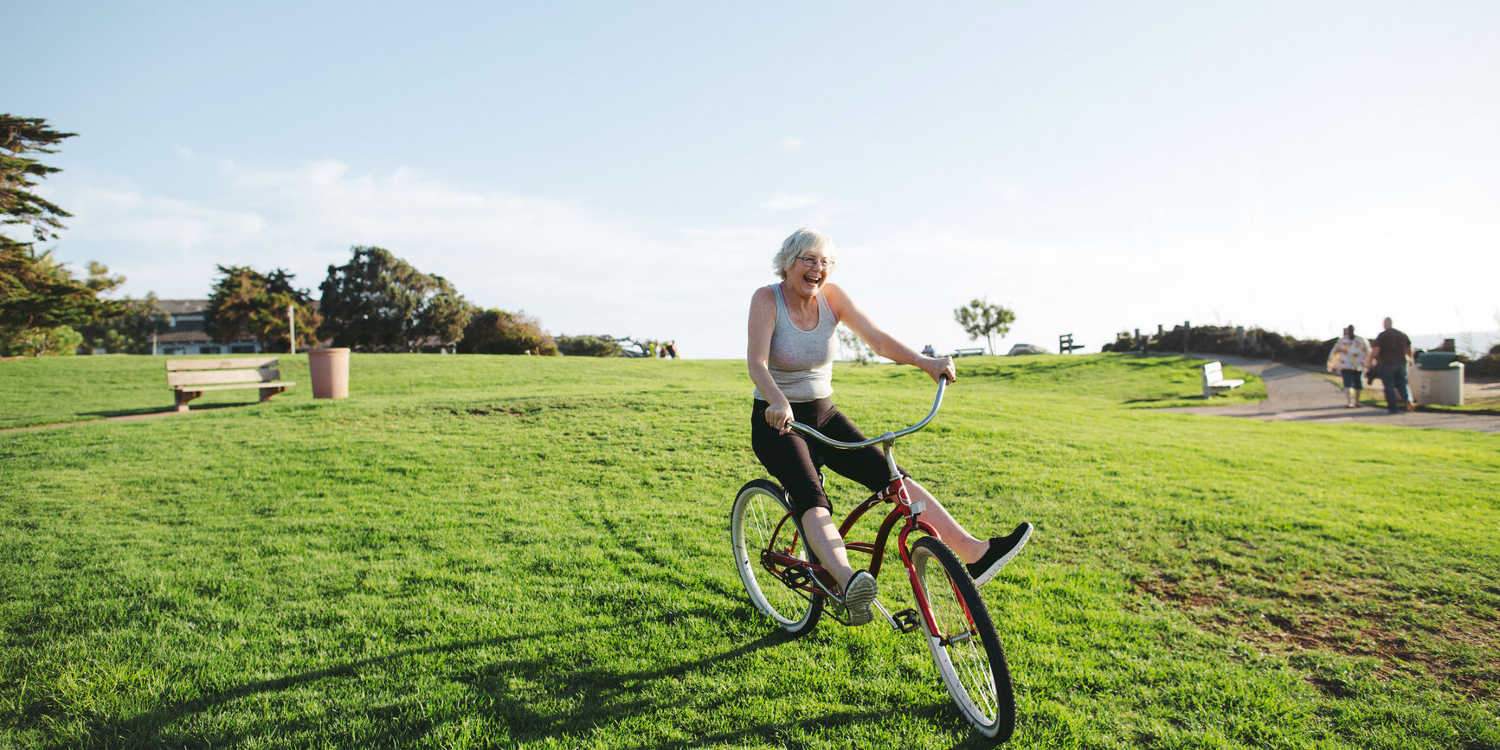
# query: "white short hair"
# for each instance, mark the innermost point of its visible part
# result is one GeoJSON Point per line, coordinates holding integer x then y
{"type": "Point", "coordinates": [801, 241]}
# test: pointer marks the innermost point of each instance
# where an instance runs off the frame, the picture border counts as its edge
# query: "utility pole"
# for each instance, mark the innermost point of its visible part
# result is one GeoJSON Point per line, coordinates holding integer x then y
{"type": "Point", "coordinates": [291, 328]}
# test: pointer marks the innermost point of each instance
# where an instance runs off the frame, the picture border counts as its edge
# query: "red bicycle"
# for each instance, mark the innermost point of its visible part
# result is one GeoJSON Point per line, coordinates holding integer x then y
{"type": "Point", "coordinates": [786, 582]}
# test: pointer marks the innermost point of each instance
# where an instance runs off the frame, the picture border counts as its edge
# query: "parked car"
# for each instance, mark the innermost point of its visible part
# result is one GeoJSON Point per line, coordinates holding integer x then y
{"type": "Point", "coordinates": [1020, 349]}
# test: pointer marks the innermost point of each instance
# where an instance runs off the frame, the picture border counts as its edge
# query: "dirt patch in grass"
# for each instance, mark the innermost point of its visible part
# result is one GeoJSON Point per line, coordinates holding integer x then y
{"type": "Point", "coordinates": [1353, 617]}
{"type": "Point", "coordinates": [485, 411]}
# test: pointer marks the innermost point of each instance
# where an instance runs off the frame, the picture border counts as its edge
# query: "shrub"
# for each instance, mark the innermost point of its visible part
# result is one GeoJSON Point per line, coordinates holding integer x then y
{"type": "Point", "coordinates": [56, 341]}
{"type": "Point", "coordinates": [1238, 340]}
{"type": "Point", "coordinates": [1487, 366]}
{"type": "Point", "coordinates": [588, 346]}
{"type": "Point", "coordinates": [502, 332]}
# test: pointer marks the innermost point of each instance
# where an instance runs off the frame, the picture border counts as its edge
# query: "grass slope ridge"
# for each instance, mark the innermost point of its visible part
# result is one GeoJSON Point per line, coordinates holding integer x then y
{"type": "Point", "coordinates": [511, 551]}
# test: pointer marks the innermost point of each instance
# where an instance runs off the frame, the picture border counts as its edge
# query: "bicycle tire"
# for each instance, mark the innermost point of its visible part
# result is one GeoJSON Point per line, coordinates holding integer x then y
{"type": "Point", "coordinates": [973, 669]}
{"type": "Point", "coordinates": [755, 518]}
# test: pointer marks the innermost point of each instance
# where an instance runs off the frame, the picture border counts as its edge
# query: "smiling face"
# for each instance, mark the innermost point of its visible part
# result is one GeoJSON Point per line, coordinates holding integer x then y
{"type": "Point", "coordinates": [804, 262]}
{"type": "Point", "coordinates": [809, 272]}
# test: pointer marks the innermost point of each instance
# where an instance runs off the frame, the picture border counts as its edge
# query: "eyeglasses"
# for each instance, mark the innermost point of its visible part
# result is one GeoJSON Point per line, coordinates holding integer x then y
{"type": "Point", "coordinates": [811, 262]}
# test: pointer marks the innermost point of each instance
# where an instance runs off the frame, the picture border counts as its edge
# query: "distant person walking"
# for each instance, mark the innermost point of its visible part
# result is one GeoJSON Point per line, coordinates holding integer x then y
{"type": "Point", "coordinates": [1392, 353]}
{"type": "Point", "coordinates": [1350, 357]}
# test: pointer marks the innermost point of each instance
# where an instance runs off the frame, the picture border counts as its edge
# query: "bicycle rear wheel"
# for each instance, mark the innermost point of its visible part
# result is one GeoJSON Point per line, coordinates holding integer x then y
{"type": "Point", "coordinates": [759, 524]}
{"type": "Point", "coordinates": [965, 648]}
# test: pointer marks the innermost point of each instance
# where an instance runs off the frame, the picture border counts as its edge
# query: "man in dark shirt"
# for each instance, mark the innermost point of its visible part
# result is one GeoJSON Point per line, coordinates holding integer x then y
{"type": "Point", "coordinates": [1392, 352]}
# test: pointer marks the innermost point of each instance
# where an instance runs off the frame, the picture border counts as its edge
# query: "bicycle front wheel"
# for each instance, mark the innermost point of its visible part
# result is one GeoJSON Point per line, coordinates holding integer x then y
{"type": "Point", "coordinates": [760, 527]}
{"type": "Point", "coordinates": [964, 646]}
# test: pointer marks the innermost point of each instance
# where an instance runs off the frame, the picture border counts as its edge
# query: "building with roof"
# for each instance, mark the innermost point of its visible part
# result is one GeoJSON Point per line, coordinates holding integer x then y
{"type": "Point", "coordinates": [185, 332]}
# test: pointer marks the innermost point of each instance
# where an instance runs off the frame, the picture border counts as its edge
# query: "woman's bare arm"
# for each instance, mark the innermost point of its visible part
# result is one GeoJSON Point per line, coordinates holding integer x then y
{"type": "Point", "coordinates": [758, 355]}
{"type": "Point", "coordinates": [881, 342]}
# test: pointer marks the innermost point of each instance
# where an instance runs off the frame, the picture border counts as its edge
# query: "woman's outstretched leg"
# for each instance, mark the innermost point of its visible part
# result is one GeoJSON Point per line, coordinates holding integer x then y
{"type": "Point", "coordinates": [963, 544]}
{"type": "Point", "coordinates": [984, 558]}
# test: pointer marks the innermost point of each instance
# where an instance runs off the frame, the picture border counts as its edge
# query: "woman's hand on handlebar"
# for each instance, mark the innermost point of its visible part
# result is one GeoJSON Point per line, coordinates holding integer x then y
{"type": "Point", "coordinates": [939, 367]}
{"type": "Point", "coordinates": [779, 416]}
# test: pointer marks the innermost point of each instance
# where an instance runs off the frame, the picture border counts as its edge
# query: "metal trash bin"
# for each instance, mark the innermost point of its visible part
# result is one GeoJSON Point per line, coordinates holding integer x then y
{"type": "Point", "coordinates": [1433, 384]}
{"type": "Point", "coordinates": [1436, 360]}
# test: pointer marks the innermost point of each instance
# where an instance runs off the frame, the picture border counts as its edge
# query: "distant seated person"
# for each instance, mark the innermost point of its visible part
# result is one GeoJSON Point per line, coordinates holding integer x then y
{"type": "Point", "coordinates": [928, 351]}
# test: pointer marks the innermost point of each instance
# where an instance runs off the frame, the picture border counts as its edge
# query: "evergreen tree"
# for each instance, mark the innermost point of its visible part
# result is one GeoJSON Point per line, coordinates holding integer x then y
{"type": "Point", "coordinates": [379, 302]}
{"type": "Point", "coordinates": [248, 304]}
{"type": "Point", "coordinates": [20, 136]}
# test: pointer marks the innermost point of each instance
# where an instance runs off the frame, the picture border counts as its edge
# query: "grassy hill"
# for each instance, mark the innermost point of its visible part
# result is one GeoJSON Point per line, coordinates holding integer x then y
{"type": "Point", "coordinates": [510, 551]}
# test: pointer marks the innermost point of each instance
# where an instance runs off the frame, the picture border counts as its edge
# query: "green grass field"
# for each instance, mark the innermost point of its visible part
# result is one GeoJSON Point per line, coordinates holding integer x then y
{"type": "Point", "coordinates": [480, 551]}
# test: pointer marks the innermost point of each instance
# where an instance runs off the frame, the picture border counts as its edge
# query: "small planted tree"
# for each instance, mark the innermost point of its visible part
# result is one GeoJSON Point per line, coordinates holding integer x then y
{"type": "Point", "coordinates": [980, 318]}
{"type": "Point", "coordinates": [854, 347]}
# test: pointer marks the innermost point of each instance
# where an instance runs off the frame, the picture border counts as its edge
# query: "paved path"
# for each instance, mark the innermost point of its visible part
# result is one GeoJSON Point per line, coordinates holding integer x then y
{"type": "Point", "coordinates": [1296, 394]}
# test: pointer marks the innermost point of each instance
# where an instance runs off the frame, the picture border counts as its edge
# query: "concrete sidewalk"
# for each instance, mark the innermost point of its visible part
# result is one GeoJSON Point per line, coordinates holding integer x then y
{"type": "Point", "coordinates": [1302, 395]}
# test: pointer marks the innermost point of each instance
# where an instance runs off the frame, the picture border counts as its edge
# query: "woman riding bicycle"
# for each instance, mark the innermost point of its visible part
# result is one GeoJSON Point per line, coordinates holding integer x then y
{"type": "Point", "coordinates": [790, 356]}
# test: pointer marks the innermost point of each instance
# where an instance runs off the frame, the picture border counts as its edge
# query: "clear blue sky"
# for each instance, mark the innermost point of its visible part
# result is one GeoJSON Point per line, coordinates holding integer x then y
{"type": "Point", "coordinates": [631, 168]}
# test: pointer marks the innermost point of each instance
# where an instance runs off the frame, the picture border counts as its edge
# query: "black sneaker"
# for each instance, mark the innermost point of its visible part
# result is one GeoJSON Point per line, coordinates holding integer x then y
{"type": "Point", "coordinates": [861, 590]}
{"type": "Point", "coordinates": [1002, 549]}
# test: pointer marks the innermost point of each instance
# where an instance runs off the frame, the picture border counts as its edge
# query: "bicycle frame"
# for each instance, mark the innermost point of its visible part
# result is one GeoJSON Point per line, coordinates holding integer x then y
{"type": "Point", "coordinates": [816, 580]}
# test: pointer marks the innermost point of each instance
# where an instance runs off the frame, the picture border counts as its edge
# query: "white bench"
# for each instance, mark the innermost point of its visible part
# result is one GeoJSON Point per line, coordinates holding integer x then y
{"type": "Point", "coordinates": [972, 351]}
{"type": "Point", "coordinates": [189, 378]}
{"type": "Point", "coordinates": [1214, 382]}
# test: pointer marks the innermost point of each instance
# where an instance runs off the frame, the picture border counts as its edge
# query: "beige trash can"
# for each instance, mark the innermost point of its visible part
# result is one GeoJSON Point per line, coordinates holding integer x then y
{"type": "Point", "coordinates": [330, 372]}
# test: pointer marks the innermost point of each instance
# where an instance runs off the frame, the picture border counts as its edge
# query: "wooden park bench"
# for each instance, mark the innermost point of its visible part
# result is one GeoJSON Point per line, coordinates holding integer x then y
{"type": "Point", "coordinates": [972, 351]}
{"type": "Point", "coordinates": [1065, 344]}
{"type": "Point", "coordinates": [189, 378]}
{"type": "Point", "coordinates": [1214, 382]}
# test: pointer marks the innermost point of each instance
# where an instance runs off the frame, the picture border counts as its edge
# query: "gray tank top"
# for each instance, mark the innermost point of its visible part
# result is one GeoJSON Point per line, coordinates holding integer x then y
{"type": "Point", "coordinates": [801, 362]}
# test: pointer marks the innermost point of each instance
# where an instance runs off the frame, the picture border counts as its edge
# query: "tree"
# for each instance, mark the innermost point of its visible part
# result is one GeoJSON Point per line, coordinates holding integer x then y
{"type": "Point", "coordinates": [39, 295]}
{"type": "Point", "coordinates": [502, 332]}
{"type": "Point", "coordinates": [18, 174]}
{"type": "Point", "coordinates": [445, 317]}
{"type": "Point", "coordinates": [247, 303]}
{"type": "Point", "coordinates": [379, 302]}
{"type": "Point", "coordinates": [130, 331]}
{"type": "Point", "coordinates": [980, 318]}
{"type": "Point", "coordinates": [855, 347]}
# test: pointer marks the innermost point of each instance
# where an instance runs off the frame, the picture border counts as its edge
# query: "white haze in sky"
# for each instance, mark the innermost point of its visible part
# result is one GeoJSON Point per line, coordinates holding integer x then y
{"type": "Point", "coordinates": [631, 171]}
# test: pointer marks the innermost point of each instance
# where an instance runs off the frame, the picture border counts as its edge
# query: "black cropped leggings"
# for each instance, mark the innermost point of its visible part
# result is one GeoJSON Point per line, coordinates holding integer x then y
{"type": "Point", "coordinates": [793, 459]}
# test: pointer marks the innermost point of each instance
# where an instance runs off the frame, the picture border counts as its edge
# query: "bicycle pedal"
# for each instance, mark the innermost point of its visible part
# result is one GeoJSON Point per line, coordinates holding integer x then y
{"type": "Point", "coordinates": [796, 578]}
{"type": "Point", "coordinates": [907, 620]}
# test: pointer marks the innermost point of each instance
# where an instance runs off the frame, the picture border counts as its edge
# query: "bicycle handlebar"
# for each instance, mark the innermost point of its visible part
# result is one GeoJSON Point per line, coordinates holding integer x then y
{"type": "Point", "coordinates": [887, 437]}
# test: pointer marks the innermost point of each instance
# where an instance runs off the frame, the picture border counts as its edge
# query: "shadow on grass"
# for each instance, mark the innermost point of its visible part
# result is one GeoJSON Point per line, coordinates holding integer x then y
{"type": "Point", "coordinates": [161, 410]}
{"type": "Point", "coordinates": [1172, 399]}
{"type": "Point", "coordinates": [145, 729]}
{"type": "Point", "coordinates": [605, 698]}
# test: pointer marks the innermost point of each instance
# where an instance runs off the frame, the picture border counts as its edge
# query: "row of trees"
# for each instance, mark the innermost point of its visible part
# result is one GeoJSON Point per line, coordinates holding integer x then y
{"type": "Point", "coordinates": [375, 302]}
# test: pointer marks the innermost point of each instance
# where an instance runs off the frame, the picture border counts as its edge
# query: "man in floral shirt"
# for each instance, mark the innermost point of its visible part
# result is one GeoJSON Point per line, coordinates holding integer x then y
{"type": "Point", "coordinates": [1349, 357]}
